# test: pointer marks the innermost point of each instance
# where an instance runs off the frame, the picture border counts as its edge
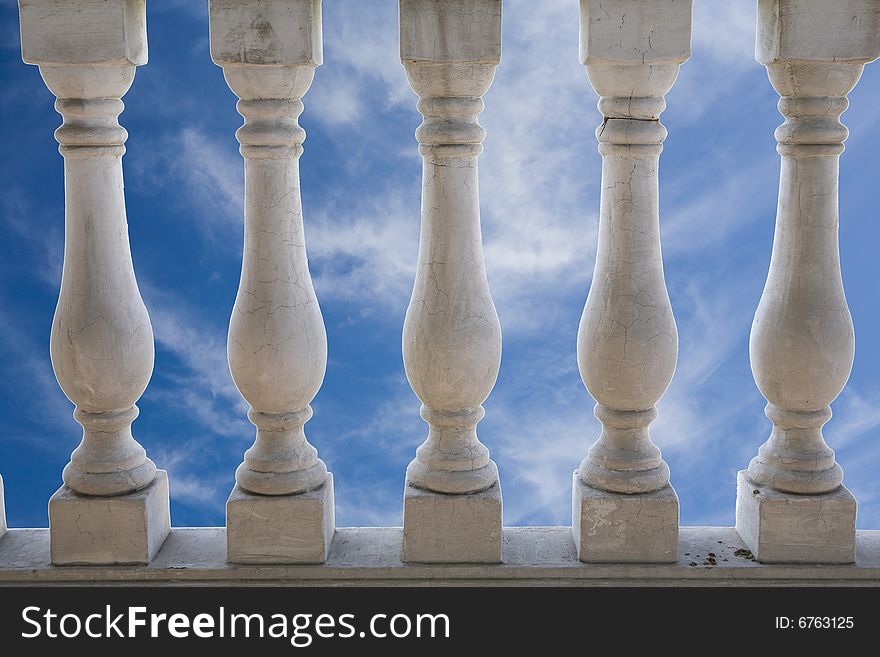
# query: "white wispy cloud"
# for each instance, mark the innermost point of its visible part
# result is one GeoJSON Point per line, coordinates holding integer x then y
{"type": "Point", "coordinates": [206, 387]}
{"type": "Point", "coordinates": [200, 463]}
{"type": "Point", "coordinates": [539, 171]}
{"type": "Point", "coordinates": [361, 55]}
{"type": "Point", "coordinates": [206, 173]}
{"type": "Point", "coordinates": [852, 433]}
{"type": "Point", "coordinates": [41, 235]}
{"type": "Point", "coordinates": [365, 252]}
{"type": "Point", "coordinates": [28, 364]}
{"type": "Point", "coordinates": [725, 31]}
{"type": "Point", "coordinates": [192, 485]}
{"type": "Point", "coordinates": [856, 413]}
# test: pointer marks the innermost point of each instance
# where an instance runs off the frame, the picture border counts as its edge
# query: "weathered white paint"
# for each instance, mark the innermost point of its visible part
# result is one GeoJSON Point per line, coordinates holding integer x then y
{"type": "Point", "coordinates": [627, 341]}
{"type": "Point", "coordinates": [451, 335]}
{"type": "Point", "coordinates": [370, 556]}
{"type": "Point", "coordinates": [102, 341]}
{"type": "Point", "coordinates": [802, 340]}
{"type": "Point", "coordinates": [277, 344]}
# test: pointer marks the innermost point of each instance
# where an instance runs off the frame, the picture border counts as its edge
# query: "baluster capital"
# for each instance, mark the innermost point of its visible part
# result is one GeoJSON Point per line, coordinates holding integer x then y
{"type": "Point", "coordinates": [640, 32]}
{"type": "Point", "coordinates": [626, 43]}
{"type": "Point", "coordinates": [266, 32]}
{"type": "Point", "coordinates": [450, 32]}
{"type": "Point", "coordinates": [87, 52]}
{"type": "Point", "coordinates": [814, 53]}
{"type": "Point", "coordinates": [802, 31]}
{"type": "Point", "coordinates": [450, 50]}
{"type": "Point", "coordinates": [632, 50]}
{"type": "Point", "coordinates": [268, 50]}
{"type": "Point", "coordinates": [83, 32]}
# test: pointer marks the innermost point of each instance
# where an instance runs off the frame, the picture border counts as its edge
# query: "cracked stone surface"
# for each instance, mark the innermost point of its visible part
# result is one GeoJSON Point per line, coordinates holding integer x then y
{"type": "Point", "coordinates": [101, 342]}
{"type": "Point", "coordinates": [615, 528]}
{"type": "Point", "coordinates": [783, 528]}
{"type": "Point", "coordinates": [451, 334]}
{"type": "Point", "coordinates": [87, 32]}
{"type": "Point", "coordinates": [277, 344]}
{"type": "Point", "coordinates": [123, 529]}
{"type": "Point", "coordinates": [266, 31]}
{"type": "Point", "coordinates": [627, 341]}
{"type": "Point", "coordinates": [280, 528]}
{"type": "Point", "coordinates": [802, 340]}
{"type": "Point", "coordinates": [439, 528]}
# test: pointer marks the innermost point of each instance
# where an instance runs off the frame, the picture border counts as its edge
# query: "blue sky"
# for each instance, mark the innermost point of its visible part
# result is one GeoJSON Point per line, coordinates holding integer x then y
{"type": "Point", "coordinates": [361, 183]}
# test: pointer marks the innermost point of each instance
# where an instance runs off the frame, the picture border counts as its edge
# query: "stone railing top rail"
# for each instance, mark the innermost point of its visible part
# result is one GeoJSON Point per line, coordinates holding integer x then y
{"type": "Point", "coordinates": [370, 556]}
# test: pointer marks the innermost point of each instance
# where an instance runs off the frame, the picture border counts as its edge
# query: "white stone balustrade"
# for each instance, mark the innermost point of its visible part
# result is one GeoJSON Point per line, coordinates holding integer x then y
{"type": "Point", "coordinates": [791, 504]}
{"type": "Point", "coordinates": [451, 335]}
{"type": "Point", "coordinates": [277, 344]}
{"type": "Point", "coordinates": [113, 507]}
{"type": "Point", "coordinates": [624, 508]}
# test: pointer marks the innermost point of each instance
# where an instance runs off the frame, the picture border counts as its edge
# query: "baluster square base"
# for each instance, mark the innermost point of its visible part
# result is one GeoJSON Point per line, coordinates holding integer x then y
{"type": "Point", "coordinates": [94, 530]}
{"type": "Point", "coordinates": [2, 510]}
{"type": "Point", "coordinates": [615, 528]}
{"type": "Point", "coordinates": [788, 528]}
{"type": "Point", "coordinates": [440, 528]}
{"type": "Point", "coordinates": [280, 528]}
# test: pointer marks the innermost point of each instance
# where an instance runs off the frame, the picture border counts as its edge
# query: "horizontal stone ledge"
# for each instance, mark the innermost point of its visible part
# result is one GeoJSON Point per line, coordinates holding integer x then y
{"type": "Point", "coordinates": [372, 557]}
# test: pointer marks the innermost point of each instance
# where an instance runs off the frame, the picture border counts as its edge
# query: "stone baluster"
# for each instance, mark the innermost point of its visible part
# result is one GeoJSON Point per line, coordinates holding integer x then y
{"type": "Point", "coordinates": [281, 509]}
{"type": "Point", "coordinates": [624, 508]}
{"type": "Point", "coordinates": [113, 506]}
{"type": "Point", "coordinates": [791, 505]}
{"type": "Point", "coordinates": [451, 335]}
